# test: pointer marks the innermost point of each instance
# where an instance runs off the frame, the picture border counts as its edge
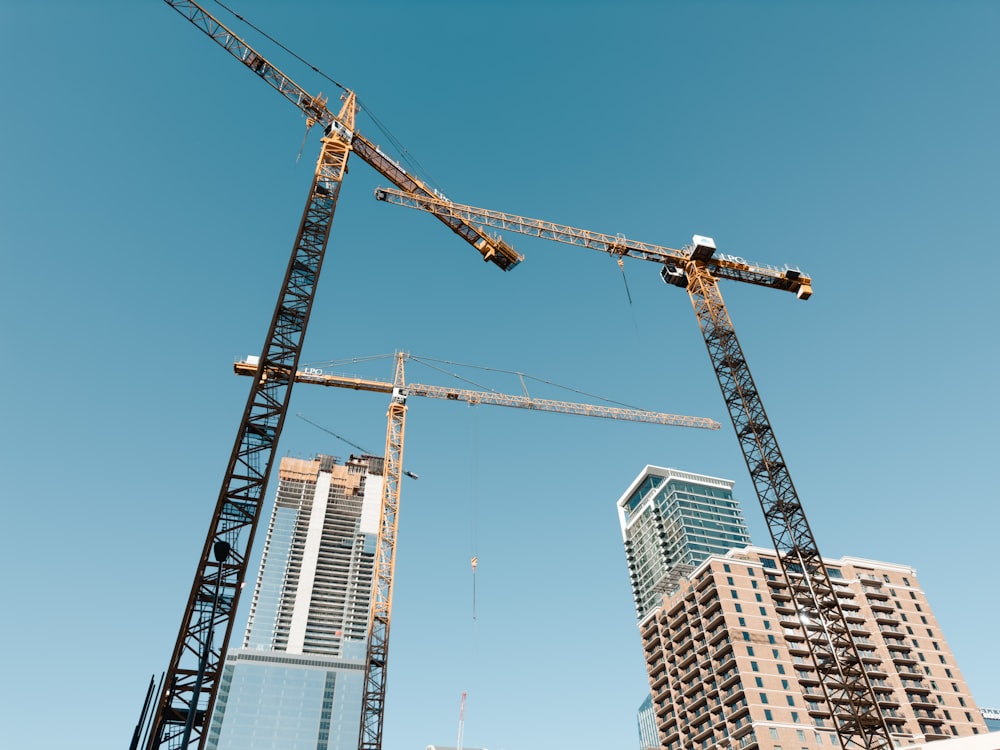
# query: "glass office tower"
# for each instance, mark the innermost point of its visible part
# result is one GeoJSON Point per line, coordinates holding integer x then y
{"type": "Point", "coordinates": [671, 521]}
{"type": "Point", "coordinates": [297, 681]}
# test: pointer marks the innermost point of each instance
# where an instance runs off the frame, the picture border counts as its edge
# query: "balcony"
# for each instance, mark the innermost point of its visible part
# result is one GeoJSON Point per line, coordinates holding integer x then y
{"type": "Point", "coordinates": [920, 701]}
{"type": "Point", "coordinates": [658, 681]}
{"type": "Point", "coordinates": [681, 633]}
{"type": "Point", "coordinates": [728, 678]}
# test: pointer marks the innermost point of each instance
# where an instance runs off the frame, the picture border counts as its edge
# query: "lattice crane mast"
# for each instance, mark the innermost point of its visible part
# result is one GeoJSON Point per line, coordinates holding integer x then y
{"type": "Point", "coordinates": [190, 682]}
{"type": "Point", "coordinates": [373, 704]}
{"type": "Point", "coordinates": [848, 691]}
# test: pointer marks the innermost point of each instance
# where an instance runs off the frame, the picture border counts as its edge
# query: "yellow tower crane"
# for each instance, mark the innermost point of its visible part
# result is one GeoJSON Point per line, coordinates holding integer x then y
{"type": "Point", "coordinates": [851, 700]}
{"type": "Point", "coordinates": [174, 718]}
{"type": "Point", "coordinates": [373, 705]}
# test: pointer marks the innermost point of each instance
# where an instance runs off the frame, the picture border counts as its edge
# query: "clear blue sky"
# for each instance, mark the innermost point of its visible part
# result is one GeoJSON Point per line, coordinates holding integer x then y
{"type": "Point", "coordinates": [149, 195]}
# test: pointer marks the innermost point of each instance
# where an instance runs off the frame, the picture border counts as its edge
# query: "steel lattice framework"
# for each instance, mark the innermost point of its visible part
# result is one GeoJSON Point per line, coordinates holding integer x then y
{"type": "Point", "coordinates": [377, 659]}
{"type": "Point", "coordinates": [845, 683]}
{"type": "Point", "coordinates": [495, 399]}
{"type": "Point", "coordinates": [191, 679]}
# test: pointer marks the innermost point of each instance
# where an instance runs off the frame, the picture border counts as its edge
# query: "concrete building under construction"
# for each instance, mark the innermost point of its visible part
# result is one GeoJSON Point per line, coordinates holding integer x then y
{"type": "Point", "coordinates": [729, 667]}
{"type": "Point", "coordinates": [297, 681]}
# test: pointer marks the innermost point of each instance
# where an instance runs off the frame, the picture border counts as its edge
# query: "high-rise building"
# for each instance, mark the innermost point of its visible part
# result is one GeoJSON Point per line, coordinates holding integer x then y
{"type": "Point", "coordinates": [670, 521]}
{"type": "Point", "coordinates": [729, 667]}
{"type": "Point", "coordinates": [297, 681]}
{"type": "Point", "coordinates": [992, 718]}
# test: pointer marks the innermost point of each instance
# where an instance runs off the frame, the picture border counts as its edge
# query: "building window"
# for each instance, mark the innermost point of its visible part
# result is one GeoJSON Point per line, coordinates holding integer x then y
{"type": "Point", "coordinates": [795, 717]}
{"type": "Point", "coordinates": [750, 651]}
{"type": "Point", "coordinates": [919, 608]}
{"type": "Point", "coordinates": [912, 595]}
{"type": "Point", "coordinates": [734, 594]}
{"type": "Point", "coordinates": [906, 581]}
{"type": "Point", "coordinates": [768, 562]}
{"type": "Point", "coordinates": [800, 735]}
{"type": "Point", "coordinates": [739, 607]}
{"type": "Point", "coordinates": [753, 584]}
{"type": "Point", "coordinates": [784, 686]}
{"type": "Point", "coordinates": [781, 668]}
{"type": "Point", "coordinates": [767, 624]}
{"type": "Point", "coordinates": [729, 580]}
{"type": "Point", "coordinates": [759, 681]}
{"type": "Point", "coordinates": [941, 657]}
{"type": "Point", "coordinates": [743, 622]}
{"type": "Point", "coordinates": [774, 653]}
{"type": "Point", "coordinates": [758, 597]}
{"type": "Point", "coordinates": [770, 638]}
{"type": "Point", "coordinates": [725, 567]}
{"type": "Point", "coordinates": [754, 667]}
{"type": "Point", "coordinates": [947, 672]}
{"type": "Point", "coordinates": [935, 645]}
{"type": "Point", "coordinates": [923, 619]}
{"type": "Point", "coordinates": [790, 699]}
{"type": "Point", "coordinates": [773, 732]}
{"type": "Point", "coordinates": [763, 698]}
{"type": "Point", "coordinates": [750, 571]}
{"type": "Point", "coordinates": [746, 636]}
{"type": "Point", "coordinates": [961, 701]}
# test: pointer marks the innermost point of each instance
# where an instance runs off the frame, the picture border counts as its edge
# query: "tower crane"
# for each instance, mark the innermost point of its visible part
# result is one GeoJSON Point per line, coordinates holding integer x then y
{"type": "Point", "coordinates": [250, 366]}
{"type": "Point", "coordinates": [698, 268]}
{"type": "Point", "coordinates": [190, 683]}
{"type": "Point", "coordinates": [372, 709]}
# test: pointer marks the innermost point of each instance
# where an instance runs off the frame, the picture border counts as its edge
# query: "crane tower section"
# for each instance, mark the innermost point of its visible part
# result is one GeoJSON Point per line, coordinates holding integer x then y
{"type": "Point", "coordinates": [698, 268]}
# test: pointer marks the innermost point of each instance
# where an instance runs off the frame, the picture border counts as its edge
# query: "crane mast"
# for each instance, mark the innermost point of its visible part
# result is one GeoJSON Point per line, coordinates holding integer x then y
{"type": "Point", "coordinates": [380, 617]}
{"type": "Point", "coordinates": [848, 691]}
{"type": "Point", "coordinates": [191, 680]}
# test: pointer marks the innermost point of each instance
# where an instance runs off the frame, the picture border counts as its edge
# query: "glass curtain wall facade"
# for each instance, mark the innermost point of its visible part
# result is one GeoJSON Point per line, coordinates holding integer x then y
{"type": "Point", "coordinates": [297, 681]}
{"type": "Point", "coordinates": [671, 521]}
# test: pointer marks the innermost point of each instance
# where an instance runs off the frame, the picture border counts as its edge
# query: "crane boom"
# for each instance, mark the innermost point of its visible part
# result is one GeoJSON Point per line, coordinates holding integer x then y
{"type": "Point", "coordinates": [249, 367]}
{"type": "Point", "coordinates": [316, 112]}
{"type": "Point", "coordinates": [732, 267]}
{"type": "Point", "coordinates": [850, 697]}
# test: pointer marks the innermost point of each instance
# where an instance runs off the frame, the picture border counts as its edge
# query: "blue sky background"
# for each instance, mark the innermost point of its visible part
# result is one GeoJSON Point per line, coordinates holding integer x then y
{"type": "Point", "coordinates": [149, 196]}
